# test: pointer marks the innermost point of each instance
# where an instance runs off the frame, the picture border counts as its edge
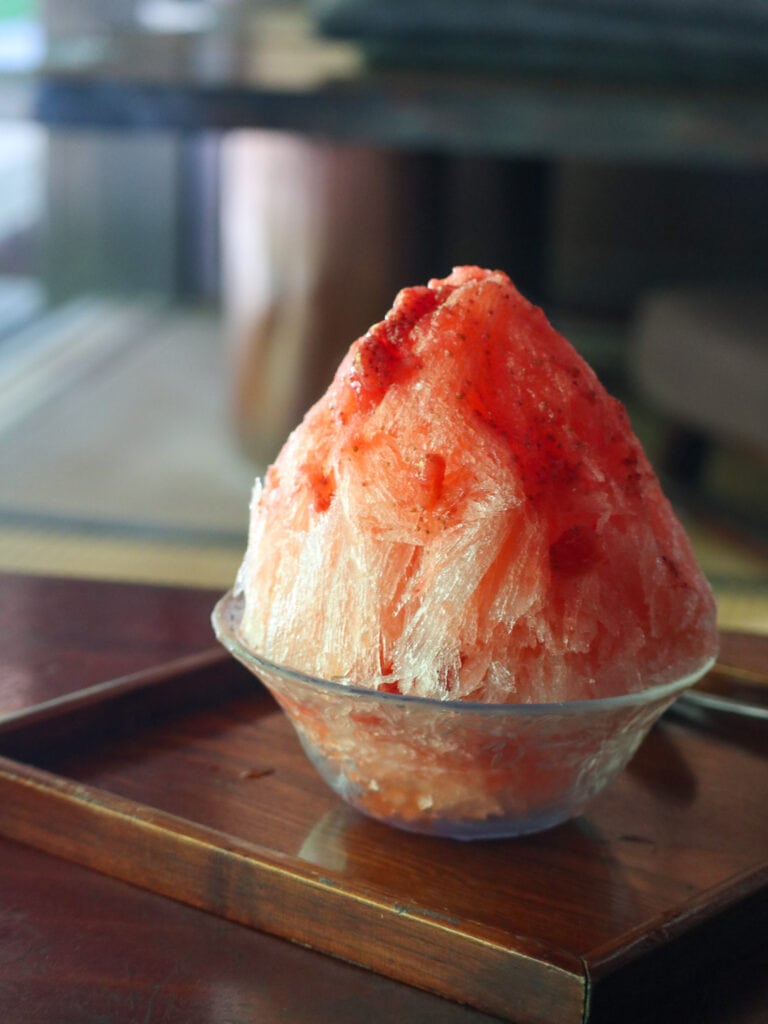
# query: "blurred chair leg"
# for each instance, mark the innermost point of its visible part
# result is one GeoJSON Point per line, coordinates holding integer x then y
{"type": "Point", "coordinates": [313, 240]}
{"type": "Point", "coordinates": [685, 455]}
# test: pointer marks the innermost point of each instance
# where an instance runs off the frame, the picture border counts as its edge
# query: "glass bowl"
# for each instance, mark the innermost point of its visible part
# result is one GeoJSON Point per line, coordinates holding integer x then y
{"type": "Point", "coordinates": [456, 768]}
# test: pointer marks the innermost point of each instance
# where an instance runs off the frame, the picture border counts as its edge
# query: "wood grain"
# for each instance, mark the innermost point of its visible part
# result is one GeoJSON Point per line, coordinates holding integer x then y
{"type": "Point", "coordinates": [188, 781]}
{"type": "Point", "coordinates": [78, 947]}
{"type": "Point", "coordinates": [61, 635]}
{"type": "Point", "coordinates": [253, 881]}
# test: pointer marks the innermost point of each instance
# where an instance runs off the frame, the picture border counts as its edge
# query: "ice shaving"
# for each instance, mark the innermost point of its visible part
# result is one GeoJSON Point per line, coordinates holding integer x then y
{"type": "Point", "coordinates": [467, 515]}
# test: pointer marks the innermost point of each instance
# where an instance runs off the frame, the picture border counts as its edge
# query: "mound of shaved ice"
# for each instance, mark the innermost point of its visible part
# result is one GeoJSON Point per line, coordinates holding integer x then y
{"type": "Point", "coordinates": [467, 514]}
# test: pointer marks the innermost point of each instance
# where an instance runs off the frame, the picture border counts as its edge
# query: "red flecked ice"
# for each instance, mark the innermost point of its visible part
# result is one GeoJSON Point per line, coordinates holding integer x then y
{"type": "Point", "coordinates": [467, 514]}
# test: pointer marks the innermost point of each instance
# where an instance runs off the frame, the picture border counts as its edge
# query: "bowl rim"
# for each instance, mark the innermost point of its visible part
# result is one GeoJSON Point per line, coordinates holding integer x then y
{"type": "Point", "coordinates": [228, 606]}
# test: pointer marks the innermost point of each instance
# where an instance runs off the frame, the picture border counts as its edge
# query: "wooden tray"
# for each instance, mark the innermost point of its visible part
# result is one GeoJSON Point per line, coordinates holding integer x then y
{"type": "Point", "coordinates": [188, 781]}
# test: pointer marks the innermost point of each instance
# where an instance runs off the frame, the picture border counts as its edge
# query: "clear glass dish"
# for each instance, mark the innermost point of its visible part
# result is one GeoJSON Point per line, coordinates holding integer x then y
{"type": "Point", "coordinates": [455, 768]}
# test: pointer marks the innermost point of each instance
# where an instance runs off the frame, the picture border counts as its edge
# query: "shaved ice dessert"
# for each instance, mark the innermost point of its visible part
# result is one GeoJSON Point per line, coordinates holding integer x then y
{"type": "Point", "coordinates": [466, 518]}
{"type": "Point", "coordinates": [467, 515]}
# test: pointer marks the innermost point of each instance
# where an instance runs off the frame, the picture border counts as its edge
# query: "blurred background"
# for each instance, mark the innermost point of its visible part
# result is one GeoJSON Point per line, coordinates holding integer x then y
{"type": "Point", "coordinates": [203, 202]}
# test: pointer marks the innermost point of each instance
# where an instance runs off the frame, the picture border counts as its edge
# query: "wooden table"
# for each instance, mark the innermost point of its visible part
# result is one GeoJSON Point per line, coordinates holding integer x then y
{"type": "Point", "coordinates": [77, 946]}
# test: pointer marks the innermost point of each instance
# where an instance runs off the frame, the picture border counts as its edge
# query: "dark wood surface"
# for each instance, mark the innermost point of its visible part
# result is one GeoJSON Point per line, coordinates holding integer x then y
{"type": "Point", "coordinates": [638, 875]}
{"type": "Point", "coordinates": [77, 947]}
